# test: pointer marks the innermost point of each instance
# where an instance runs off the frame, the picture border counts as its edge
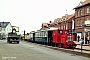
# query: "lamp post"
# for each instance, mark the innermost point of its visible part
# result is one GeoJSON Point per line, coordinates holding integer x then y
{"type": "Point", "coordinates": [0, 30]}
{"type": "Point", "coordinates": [3, 35]}
{"type": "Point", "coordinates": [72, 31]}
{"type": "Point", "coordinates": [24, 34]}
{"type": "Point", "coordinates": [81, 43]}
{"type": "Point", "coordinates": [87, 26]}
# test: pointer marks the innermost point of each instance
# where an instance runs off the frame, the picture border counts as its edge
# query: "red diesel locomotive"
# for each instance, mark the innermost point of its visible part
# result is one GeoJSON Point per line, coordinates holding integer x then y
{"type": "Point", "coordinates": [63, 39]}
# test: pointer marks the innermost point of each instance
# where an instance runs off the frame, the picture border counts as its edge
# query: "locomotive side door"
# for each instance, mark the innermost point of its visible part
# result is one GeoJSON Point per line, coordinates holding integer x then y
{"type": "Point", "coordinates": [49, 37]}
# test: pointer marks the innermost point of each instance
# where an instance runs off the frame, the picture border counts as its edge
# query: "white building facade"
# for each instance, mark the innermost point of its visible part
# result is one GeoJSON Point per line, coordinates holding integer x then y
{"type": "Point", "coordinates": [6, 28]}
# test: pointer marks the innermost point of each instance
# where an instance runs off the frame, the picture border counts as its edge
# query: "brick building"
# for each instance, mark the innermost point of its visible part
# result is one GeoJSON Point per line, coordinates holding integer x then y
{"type": "Point", "coordinates": [82, 18]}
{"type": "Point", "coordinates": [66, 22]}
{"type": "Point", "coordinates": [56, 22]}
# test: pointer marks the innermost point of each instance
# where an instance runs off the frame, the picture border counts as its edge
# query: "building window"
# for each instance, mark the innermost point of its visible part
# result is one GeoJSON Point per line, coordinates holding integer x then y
{"type": "Point", "coordinates": [60, 31]}
{"type": "Point", "coordinates": [61, 27]}
{"type": "Point", "coordinates": [80, 22]}
{"type": "Point", "coordinates": [87, 19]}
{"type": "Point", "coordinates": [87, 10]}
{"type": "Point", "coordinates": [66, 26]}
{"type": "Point", "coordinates": [79, 13]}
{"type": "Point", "coordinates": [7, 29]}
{"type": "Point", "coordinates": [3, 29]}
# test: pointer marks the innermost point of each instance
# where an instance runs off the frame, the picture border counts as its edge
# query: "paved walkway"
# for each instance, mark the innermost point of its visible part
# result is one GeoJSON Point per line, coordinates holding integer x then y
{"type": "Point", "coordinates": [84, 52]}
{"type": "Point", "coordinates": [85, 48]}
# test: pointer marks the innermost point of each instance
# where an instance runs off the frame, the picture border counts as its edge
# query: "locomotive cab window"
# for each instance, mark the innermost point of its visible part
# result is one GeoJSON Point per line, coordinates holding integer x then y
{"type": "Point", "coordinates": [66, 32]}
{"type": "Point", "coordinates": [69, 38]}
{"type": "Point", "coordinates": [60, 31]}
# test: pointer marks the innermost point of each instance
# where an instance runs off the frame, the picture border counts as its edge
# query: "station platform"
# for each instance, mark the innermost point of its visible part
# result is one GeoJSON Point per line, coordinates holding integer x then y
{"type": "Point", "coordinates": [85, 51]}
{"type": "Point", "coordinates": [85, 48]}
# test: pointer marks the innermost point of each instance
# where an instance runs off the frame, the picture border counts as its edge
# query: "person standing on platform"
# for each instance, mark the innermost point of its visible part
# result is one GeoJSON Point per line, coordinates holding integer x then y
{"type": "Point", "coordinates": [88, 39]}
{"type": "Point", "coordinates": [78, 38]}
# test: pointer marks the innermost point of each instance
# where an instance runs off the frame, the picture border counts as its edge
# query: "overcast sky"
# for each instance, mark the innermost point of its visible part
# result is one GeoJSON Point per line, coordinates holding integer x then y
{"type": "Point", "coordinates": [26, 13]}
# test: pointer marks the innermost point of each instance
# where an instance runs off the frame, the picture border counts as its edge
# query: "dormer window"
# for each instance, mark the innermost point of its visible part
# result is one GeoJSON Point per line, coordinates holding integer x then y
{"type": "Point", "coordinates": [61, 20]}
{"type": "Point", "coordinates": [65, 18]}
{"type": "Point", "coordinates": [81, 3]}
{"type": "Point", "coordinates": [57, 21]}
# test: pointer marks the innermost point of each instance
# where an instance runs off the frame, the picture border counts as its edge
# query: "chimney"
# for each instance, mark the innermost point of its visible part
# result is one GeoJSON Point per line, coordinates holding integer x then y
{"type": "Point", "coordinates": [50, 21]}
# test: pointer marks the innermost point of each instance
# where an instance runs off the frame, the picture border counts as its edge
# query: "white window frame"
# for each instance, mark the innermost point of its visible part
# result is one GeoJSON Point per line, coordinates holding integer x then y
{"type": "Point", "coordinates": [70, 38]}
{"type": "Point", "coordinates": [79, 13]}
{"type": "Point", "coordinates": [87, 10]}
{"type": "Point", "coordinates": [87, 19]}
{"type": "Point", "coordinates": [80, 22]}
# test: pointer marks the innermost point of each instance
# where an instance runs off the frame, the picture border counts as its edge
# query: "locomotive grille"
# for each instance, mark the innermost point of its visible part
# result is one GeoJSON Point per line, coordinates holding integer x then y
{"type": "Point", "coordinates": [70, 38]}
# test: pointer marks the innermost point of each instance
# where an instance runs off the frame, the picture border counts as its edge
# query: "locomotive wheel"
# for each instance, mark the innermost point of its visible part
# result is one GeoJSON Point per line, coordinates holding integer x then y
{"type": "Point", "coordinates": [10, 42]}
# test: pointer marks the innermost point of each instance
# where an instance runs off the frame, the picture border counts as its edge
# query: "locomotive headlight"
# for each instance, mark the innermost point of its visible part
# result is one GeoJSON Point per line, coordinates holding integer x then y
{"type": "Point", "coordinates": [66, 41]}
{"type": "Point", "coordinates": [73, 41]}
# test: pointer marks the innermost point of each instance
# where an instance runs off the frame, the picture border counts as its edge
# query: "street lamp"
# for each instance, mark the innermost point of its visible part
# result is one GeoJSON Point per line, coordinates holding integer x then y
{"type": "Point", "coordinates": [3, 35]}
{"type": "Point", "coordinates": [24, 34]}
{"type": "Point", "coordinates": [0, 30]}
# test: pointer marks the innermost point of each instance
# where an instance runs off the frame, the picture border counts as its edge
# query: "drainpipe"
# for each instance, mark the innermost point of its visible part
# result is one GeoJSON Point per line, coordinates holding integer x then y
{"type": "Point", "coordinates": [84, 24]}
